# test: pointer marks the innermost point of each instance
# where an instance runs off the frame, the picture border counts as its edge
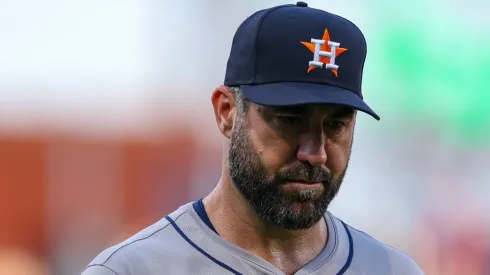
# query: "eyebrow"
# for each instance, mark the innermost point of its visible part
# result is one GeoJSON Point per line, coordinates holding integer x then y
{"type": "Point", "coordinates": [344, 112]}
{"type": "Point", "coordinates": [289, 109]}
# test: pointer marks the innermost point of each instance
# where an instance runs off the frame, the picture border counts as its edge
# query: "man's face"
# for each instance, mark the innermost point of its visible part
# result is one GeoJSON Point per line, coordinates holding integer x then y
{"type": "Point", "coordinates": [289, 163]}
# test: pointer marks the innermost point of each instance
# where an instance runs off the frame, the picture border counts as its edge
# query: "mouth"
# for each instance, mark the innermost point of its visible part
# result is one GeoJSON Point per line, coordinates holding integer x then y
{"type": "Point", "coordinates": [303, 191]}
{"type": "Point", "coordinates": [303, 185]}
{"type": "Point", "coordinates": [303, 182]}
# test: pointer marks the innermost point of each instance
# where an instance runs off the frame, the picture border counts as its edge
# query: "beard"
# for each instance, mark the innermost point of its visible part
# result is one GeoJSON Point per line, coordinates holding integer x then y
{"type": "Point", "coordinates": [265, 193]}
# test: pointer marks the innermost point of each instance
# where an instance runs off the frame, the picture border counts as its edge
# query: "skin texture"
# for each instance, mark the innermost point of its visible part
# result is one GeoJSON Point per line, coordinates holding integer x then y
{"type": "Point", "coordinates": [281, 169]}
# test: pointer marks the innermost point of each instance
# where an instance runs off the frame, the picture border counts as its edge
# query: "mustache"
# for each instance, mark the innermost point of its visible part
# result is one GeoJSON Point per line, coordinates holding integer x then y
{"type": "Point", "coordinates": [305, 173]}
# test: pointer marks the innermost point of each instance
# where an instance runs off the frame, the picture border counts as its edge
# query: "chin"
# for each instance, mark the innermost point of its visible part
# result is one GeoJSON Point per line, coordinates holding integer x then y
{"type": "Point", "coordinates": [299, 221]}
{"type": "Point", "coordinates": [302, 207]}
{"type": "Point", "coordinates": [300, 214]}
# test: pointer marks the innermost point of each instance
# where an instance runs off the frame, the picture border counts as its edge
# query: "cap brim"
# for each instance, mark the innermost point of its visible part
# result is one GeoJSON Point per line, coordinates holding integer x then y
{"type": "Point", "coordinates": [296, 93]}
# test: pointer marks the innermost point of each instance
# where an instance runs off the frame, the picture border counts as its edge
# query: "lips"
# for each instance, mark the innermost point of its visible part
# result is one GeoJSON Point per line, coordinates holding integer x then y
{"type": "Point", "coordinates": [304, 182]}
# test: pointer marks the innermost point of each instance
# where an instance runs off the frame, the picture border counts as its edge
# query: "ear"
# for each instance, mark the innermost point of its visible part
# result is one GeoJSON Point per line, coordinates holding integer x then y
{"type": "Point", "coordinates": [224, 109]}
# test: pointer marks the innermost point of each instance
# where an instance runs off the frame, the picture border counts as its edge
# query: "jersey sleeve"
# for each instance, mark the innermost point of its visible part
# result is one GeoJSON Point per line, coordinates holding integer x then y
{"type": "Point", "coordinates": [99, 270]}
{"type": "Point", "coordinates": [402, 264]}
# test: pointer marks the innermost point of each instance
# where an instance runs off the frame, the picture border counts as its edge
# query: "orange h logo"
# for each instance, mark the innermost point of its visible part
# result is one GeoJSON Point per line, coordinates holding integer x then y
{"type": "Point", "coordinates": [324, 53]}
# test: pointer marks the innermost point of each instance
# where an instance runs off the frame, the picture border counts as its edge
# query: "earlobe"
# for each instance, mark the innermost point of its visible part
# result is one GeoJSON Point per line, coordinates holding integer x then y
{"type": "Point", "coordinates": [224, 109]}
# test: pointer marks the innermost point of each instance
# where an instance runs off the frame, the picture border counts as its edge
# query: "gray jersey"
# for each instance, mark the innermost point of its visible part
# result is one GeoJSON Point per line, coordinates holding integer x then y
{"type": "Point", "coordinates": [182, 243]}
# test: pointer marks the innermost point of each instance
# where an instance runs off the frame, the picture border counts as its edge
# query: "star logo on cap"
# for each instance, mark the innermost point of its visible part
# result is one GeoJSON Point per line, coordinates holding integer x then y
{"type": "Point", "coordinates": [324, 53]}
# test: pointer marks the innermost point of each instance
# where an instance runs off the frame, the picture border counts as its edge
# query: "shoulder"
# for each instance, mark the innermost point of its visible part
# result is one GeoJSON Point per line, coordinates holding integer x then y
{"type": "Point", "coordinates": [153, 247]}
{"type": "Point", "coordinates": [372, 254]}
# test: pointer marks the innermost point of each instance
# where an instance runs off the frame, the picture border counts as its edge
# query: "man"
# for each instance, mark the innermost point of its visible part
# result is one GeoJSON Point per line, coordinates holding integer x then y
{"type": "Point", "coordinates": [287, 112]}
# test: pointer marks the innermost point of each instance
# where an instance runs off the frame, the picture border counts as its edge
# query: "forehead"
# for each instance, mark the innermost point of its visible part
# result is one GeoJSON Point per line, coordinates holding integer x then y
{"type": "Point", "coordinates": [311, 109]}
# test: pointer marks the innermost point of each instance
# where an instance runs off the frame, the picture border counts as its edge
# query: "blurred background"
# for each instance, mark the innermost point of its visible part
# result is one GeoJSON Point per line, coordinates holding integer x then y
{"type": "Point", "coordinates": [106, 125]}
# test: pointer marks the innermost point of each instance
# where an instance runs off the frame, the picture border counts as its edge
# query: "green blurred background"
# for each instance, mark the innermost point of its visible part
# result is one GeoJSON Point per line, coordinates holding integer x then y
{"type": "Point", "coordinates": [433, 66]}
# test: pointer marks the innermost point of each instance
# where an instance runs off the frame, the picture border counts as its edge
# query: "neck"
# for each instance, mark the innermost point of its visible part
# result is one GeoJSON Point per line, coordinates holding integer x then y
{"type": "Point", "coordinates": [237, 223]}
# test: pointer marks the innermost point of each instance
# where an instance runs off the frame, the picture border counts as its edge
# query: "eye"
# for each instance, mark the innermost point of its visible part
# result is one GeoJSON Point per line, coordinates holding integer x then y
{"type": "Point", "coordinates": [335, 127]}
{"type": "Point", "coordinates": [335, 124]}
{"type": "Point", "coordinates": [289, 119]}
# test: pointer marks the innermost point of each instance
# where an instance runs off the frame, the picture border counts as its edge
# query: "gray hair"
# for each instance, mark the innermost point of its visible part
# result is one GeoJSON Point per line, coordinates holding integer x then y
{"type": "Point", "coordinates": [241, 102]}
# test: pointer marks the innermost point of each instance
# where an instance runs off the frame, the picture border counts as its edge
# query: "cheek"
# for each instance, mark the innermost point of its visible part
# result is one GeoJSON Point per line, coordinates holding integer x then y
{"type": "Point", "coordinates": [338, 155]}
{"type": "Point", "coordinates": [271, 148]}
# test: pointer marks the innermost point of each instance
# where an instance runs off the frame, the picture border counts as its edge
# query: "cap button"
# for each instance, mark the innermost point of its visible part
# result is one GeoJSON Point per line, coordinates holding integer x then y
{"type": "Point", "coordinates": [301, 4]}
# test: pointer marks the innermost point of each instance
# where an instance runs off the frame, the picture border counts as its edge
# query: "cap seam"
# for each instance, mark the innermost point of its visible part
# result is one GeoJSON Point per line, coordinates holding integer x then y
{"type": "Point", "coordinates": [257, 35]}
{"type": "Point", "coordinates": [365, 45]}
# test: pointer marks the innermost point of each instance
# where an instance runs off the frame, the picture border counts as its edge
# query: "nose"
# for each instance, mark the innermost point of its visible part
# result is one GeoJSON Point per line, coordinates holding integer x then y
{"type": "Point", "coordinates": [312, 149]}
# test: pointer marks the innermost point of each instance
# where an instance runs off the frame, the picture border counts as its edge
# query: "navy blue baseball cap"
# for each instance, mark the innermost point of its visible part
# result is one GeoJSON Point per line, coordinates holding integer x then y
{"type": "Point", "coordinates": [293, 54]}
